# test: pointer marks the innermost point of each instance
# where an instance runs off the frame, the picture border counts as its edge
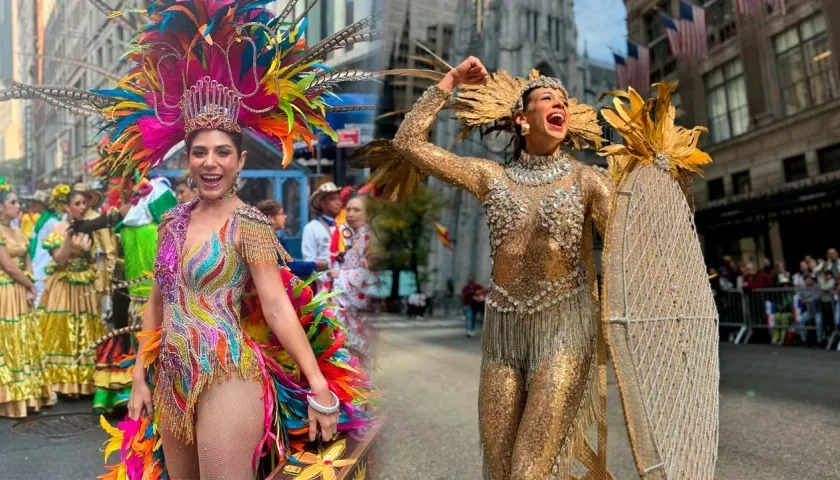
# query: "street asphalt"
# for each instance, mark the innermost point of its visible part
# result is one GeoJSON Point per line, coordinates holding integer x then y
{"type": "Point", "coordinates": [779, 415]}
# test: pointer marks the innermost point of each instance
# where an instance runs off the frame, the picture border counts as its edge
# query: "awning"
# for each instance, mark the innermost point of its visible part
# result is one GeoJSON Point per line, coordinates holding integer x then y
{"type": "Point", "coordinates": [362, 120]}
{"type": "Point", "coordinates": [788, 199]}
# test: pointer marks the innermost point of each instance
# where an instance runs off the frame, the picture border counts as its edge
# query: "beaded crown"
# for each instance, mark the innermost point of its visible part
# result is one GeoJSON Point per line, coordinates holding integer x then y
{"type": "Point", "coordinates": [538, 81]}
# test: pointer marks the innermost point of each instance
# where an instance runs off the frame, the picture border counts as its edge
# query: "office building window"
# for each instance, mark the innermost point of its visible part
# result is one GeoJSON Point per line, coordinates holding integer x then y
{"type": "Point", "coordinates": [741, 182]}
{"type": "Point", "coordinates": [676, 101]}
{"type": "Point", "coordinates": [803, 57]}
{"type": "Point", "coordinates": [829, 159]}
{"type": "Point", "coordinates": [726, 99]}
{"type": "Point", "coordinates": [795, 168]}
{"type": "Point", "coordinates": [716, 190]}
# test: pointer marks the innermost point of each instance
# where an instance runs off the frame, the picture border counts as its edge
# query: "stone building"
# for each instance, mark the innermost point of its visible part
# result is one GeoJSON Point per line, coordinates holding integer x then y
{"type": "Point", "coordinates": [82, 48]}
{"type": "Point", "coordinates": [768, 90]}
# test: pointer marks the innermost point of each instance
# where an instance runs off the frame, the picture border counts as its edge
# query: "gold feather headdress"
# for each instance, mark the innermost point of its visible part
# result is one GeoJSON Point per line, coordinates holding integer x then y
{"type": "Point", "coordinates": [490, 108]}
{"type": "Point", "coordinates": [652, 140]}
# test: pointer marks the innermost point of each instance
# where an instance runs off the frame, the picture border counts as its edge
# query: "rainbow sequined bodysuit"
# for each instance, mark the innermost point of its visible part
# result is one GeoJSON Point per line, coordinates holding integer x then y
{"type": "Point", "coordinates": [202, 339]}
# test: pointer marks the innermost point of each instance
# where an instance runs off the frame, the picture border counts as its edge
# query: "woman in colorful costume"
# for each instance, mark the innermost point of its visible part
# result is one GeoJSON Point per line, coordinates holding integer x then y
{"type": "Point", "coordinates": [352, 280]}
{"type": "Point", "coordinates": [21, 385]}
{"type": "Point", "coordinates": [70, 308]}
{"type": "Point", "coordinates": [230, 371]}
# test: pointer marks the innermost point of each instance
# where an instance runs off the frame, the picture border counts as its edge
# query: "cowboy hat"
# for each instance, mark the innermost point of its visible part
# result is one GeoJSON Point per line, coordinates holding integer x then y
{"type": "Point", "coordinates": [323, 189]}
{"type": "Point", "coordinates": [39, 196]}
{"type": "Point", "coordinates": [94, 197]}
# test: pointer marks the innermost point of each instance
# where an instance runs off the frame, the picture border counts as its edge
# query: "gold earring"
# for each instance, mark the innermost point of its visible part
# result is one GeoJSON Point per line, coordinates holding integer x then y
{"type": "Point", "coordinates": [526, 129]}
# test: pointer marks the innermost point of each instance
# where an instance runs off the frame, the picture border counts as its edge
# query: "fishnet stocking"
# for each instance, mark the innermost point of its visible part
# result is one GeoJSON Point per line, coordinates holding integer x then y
{"type": "Point", "coordinates": [181, 459]}
{"type": "Point", "coordinates": [228, 427]}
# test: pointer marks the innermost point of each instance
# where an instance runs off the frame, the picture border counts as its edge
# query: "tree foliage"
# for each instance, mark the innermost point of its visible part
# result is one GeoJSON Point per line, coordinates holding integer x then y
{"type": "Point", "coordinates": [15, 172]}
{"type": "Point", "coordinates": [403, 232]}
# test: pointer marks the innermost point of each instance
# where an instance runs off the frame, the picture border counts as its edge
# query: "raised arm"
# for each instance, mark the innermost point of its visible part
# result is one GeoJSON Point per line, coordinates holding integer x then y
{"type": "Point", "coordinates": [471, 174]}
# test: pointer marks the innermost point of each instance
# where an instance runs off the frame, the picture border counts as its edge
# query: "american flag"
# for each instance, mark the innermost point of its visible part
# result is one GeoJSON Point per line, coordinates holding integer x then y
{"type": "Point", "coordinates": [620, 72]}
{"type": "Point", "coordinates": [753, 7]}
{"type": "Point", "coordinates": [638, 67]}
{"type": "Point", "coordinates": [748, 7]}
{"type": "Point", "coordinates": [692, 28]}
{"type": "Point", "coordinates": [672, 31]}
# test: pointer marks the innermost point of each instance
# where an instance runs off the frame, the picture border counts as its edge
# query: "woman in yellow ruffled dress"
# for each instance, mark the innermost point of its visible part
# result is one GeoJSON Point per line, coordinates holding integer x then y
{"type": "Point", "coordinates": [70, 308]}
{"type": "Point", "coordinates": [20, 363]}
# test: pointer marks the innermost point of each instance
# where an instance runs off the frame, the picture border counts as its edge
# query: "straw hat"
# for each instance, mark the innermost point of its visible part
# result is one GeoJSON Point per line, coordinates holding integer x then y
{"type": "Point", "coordinates": [40, 196]}
{"type": "Point", "coordinates": [94, 197]}
{"type": "Point", "coordinates": [324, 189]}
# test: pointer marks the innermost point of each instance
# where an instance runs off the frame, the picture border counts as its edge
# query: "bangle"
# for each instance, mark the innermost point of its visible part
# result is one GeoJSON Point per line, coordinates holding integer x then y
{"type": "Point", "coordinates": [322, 409]}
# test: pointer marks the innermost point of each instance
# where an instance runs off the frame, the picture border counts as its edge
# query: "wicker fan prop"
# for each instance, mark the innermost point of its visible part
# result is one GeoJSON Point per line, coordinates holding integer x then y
{"type": "Point", "coordinates": [659, 313]}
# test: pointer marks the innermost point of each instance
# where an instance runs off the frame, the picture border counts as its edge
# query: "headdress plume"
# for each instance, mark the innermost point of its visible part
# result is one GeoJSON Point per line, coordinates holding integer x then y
{"type": "Point", "coordinates": [651, 136]}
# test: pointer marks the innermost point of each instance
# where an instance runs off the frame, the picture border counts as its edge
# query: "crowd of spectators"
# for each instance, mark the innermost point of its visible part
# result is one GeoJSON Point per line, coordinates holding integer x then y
{"type": "Point", "coordinates": [787, 303]}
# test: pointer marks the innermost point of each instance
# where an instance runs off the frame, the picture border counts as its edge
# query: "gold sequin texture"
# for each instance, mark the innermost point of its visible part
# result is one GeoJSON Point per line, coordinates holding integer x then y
{"type": "Point", "coordinates": [541, 328]}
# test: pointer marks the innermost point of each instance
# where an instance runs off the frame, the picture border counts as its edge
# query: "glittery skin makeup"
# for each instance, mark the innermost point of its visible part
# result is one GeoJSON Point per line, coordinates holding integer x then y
{"type": "Point", "coordinates": [542, 388]}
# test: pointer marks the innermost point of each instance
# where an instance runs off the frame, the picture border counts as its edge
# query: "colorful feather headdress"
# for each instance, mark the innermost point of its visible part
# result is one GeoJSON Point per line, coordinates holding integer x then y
{"type": "Point", "coordinates": [221, 64]}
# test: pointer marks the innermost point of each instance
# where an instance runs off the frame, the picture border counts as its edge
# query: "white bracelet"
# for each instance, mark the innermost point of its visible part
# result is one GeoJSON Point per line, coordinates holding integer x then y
{"type": "Point", "coordinates": [322, 409]}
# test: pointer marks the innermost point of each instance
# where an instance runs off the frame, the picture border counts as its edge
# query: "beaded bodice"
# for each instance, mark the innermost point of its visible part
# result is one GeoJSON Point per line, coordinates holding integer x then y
{"type": "Point", "coordinates": [538, 228]}
{"type": "Point", "coordinates": [202, 288]}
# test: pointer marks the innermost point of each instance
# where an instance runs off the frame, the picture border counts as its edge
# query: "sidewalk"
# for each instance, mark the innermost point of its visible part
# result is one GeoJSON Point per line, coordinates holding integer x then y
{"type": "Point", "coordinates": [383, 321]}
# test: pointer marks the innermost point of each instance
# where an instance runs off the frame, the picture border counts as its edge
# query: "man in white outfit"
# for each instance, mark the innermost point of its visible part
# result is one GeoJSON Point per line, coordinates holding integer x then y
{"type": "Point", "coordinates": [317, 234]}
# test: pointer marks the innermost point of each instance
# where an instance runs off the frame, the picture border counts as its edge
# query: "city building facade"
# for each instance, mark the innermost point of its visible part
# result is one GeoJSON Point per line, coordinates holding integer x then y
{"type": "Point", "coordinates": [81, 48]}
{"type": "Point", "coordinates": [769, 92]}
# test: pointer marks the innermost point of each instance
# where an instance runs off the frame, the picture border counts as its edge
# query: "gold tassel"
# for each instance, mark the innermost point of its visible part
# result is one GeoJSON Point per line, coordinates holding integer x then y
{"type": "Point", "coordinates": [258, 240]}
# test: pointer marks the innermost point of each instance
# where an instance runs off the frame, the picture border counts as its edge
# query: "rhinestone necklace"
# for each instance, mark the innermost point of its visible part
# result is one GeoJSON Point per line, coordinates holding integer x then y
{"type": "Point", "coordinates": [533, 170]}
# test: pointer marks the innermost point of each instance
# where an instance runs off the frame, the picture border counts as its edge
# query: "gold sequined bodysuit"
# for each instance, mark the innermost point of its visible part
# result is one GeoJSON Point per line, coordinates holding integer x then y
{"type": "Point", "coordinates": [543, 379]}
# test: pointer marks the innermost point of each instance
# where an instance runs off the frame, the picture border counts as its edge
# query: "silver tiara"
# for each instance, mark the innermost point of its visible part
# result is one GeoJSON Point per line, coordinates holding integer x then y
{"type": "Point", "coordinates": [539, 82]}
{"type": "Point", "coordinates": [210, 105]}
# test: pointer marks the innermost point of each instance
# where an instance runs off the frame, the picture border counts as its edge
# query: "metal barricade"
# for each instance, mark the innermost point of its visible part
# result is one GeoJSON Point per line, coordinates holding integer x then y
{"type": "Point", "coordinates": [778, 310]}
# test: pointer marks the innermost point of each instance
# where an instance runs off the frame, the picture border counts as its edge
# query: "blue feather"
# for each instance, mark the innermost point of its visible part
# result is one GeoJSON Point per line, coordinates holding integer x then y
{"type": "Point", "coordinates": [209, 27]}
{"type": "Point", "coordinates": [122, 94]}
{"type": "Point", "coordinates": [128, 120]}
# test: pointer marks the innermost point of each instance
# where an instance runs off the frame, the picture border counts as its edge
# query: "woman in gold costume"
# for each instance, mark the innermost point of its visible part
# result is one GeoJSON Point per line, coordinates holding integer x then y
{"type": "Point", "coordinates": [541, 389]}
{"type": "Point", "coordinates": [20, 364]}
{"type": "Point", "coordinates": [70, 306]}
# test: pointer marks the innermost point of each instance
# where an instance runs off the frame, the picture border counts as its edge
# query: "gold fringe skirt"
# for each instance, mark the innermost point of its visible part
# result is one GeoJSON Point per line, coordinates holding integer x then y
{"type": "Point", "coordinates": [21, 382]}
{"type": "Point", "coordinates": [525, 337]}
{"type": "Point", "coordinates": [70, 322]}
